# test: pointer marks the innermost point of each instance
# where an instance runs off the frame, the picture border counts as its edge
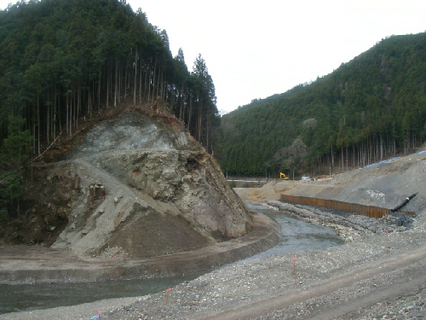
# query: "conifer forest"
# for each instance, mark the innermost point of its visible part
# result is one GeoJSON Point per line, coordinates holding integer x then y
{"type": "Point", "coordinates": [369, 109]}
{"type": "Point", "coordinates": [64, 61]}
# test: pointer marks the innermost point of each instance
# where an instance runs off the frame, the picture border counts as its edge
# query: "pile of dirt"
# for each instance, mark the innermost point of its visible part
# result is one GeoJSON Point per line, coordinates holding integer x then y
{"type": "Point", "coordinates": [38, 264]}
{"type": "Point", "coordinates": [135, 185]}
{"type": "Point", "coordinates": [270, 191]}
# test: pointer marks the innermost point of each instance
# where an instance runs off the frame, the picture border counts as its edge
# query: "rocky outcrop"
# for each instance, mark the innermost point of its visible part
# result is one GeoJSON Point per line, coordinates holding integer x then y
{"type": "Point", "coordinates": [146, 189]}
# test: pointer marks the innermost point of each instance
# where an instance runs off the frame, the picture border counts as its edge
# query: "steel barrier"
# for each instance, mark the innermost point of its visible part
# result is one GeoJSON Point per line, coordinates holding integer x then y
{"type": "Point", "coordinates": [369, 211]}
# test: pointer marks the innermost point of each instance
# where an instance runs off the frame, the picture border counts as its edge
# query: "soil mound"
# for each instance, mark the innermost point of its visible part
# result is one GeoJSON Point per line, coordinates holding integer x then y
{"type": "Point", "coordinates": [135, 185]}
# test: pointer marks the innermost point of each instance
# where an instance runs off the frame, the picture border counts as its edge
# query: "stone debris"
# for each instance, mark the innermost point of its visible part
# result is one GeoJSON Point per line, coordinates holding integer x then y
{"type": "Point", "coordinates": [239, 285]}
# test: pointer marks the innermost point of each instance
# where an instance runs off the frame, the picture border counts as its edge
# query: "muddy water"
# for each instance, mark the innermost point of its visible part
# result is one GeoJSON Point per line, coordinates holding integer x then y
{"type": "Point", "coordinates": [297, 236]}
{"type": "Point", "coordinates": [43, 296]}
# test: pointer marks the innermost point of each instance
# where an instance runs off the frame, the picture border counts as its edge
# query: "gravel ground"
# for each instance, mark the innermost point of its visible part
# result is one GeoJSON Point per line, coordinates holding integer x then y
{"type": "Point", "coordinates": [374, 275]}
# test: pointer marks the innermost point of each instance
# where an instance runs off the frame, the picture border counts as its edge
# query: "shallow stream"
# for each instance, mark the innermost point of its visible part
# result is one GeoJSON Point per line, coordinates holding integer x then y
{"type": "Point", "coordinates": [297, 236]}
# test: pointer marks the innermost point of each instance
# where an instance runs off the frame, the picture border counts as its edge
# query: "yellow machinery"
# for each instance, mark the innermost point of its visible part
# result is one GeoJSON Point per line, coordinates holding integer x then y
{"type": "Point", "coordinates": [282, 176]}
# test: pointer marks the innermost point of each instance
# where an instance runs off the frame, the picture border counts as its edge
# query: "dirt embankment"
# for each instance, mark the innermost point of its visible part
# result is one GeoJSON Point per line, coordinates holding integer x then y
{"type": "Point", "coordinates": [385, 185]}
{"type": "Point", "coordinates": [135, 190]}
{"type": "Point", "coordinates": [37, 264]}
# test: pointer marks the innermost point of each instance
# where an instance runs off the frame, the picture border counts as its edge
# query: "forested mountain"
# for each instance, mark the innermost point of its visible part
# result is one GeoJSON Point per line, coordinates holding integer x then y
{"type": "Point", "coordinates": [370, 108]}
{"type": "Point", "coordinates": [62, 60]}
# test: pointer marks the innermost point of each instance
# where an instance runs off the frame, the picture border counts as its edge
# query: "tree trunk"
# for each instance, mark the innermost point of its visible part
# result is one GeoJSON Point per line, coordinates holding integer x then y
{"type": "Point", "coordinates": [161, 85]}
{"type": "Point", "coordinates": [54, 115]}
{"type": "Point", "coordinates": [140, 83]}
{"type": "Point", "coordinates": [116, 83]}
{"type": "Point", "coordinates": [67, 113]}
{"type": "Point", "coordinates": [148, 83]}
{"type": "Point", "coordinates": [49, 106]}
{"type": "Point", "coordinates": [190, 112]}
{"type": "Point", "coordinates": [200, 110]}
{"type": "Point", "coordinates": [154, 79]}
{"type": "Point", "coordinates": [181, 104]}
{"type": "Point", "coordinates": [136, 77]}
{"type": "Point", "coordinates": [207, 134]}
{"type": "Point", "coordinates": [125, 81]}
{"type": "Point", "coordinates": [90, 106]}
{"type": "Point", "coordinates": [77, 115]}
{"type": "Point", "coordinates": [38, 125]}
{"type": "Point", "coordinates": [99, 89]}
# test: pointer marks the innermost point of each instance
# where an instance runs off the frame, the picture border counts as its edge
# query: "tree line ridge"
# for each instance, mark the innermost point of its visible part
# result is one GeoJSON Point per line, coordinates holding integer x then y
{"type": "Point", "coordinates": [369, 109]}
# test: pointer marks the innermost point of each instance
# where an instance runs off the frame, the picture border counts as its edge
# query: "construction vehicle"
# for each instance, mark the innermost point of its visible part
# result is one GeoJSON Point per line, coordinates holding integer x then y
{"type": "Point", "coordinates": [282, 176]}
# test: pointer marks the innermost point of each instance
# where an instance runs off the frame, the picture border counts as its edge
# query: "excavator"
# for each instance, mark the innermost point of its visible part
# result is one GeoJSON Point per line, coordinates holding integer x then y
{"type": "Point", "coordinates": [282, 176]}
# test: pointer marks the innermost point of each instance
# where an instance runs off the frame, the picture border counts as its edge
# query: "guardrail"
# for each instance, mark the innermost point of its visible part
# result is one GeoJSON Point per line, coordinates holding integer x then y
{"type": "Point", "coordinates": [369, 211]}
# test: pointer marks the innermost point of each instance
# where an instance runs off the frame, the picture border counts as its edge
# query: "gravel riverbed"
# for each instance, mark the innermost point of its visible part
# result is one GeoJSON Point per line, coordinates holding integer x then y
{"type": "Point", "coordinates": [374, 275]}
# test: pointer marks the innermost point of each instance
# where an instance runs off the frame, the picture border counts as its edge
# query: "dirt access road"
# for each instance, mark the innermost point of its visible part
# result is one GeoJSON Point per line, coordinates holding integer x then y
{"type": "Point", "coordinates": [412, 264]}
{"type": "Point", "coordinates": [27, 265]}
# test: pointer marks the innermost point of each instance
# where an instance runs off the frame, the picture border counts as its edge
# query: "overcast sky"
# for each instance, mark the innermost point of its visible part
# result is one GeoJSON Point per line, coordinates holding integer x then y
{"type": "Point", "coordinates": [254, 49]}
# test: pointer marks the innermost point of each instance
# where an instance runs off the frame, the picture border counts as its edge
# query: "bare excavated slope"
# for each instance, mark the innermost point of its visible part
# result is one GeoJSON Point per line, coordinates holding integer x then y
{"type": "Point", "coordinates": [385, 185]}
{"type": "Point", "coordinates": [138, 186]}
{"type": "Point", "coordinates": [148, 189]}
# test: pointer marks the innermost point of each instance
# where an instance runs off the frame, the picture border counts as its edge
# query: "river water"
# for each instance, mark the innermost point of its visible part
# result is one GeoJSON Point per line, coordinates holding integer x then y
{"type": "Point", "coordinates": [297, 236]}
{"type": "Point", "coordinates": [43, 296]}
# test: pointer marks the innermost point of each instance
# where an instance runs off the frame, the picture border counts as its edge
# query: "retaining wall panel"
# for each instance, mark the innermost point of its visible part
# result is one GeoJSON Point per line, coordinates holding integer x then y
{"type": "Point", "coordinates": [369, 211]}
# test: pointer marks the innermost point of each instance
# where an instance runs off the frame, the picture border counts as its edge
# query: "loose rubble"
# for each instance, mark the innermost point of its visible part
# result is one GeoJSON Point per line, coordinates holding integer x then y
{"type": "Point", "coordinates": [362, 279]}
{"type": "Point", "coordinates": [349, 226]}
{"type": "Point", "coordinates": [245, 283]}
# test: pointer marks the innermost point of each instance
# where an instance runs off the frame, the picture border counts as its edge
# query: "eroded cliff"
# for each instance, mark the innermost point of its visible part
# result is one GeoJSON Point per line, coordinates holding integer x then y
{"type": "Point", "coordinates": [137, 185]}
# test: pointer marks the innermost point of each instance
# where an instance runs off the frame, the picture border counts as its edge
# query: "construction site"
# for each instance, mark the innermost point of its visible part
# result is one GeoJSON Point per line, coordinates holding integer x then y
{"type": "Point", "coordinates": [378, 273]}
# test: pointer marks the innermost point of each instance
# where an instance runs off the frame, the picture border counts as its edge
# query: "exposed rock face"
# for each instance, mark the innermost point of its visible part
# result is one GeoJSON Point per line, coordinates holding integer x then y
{"type": "Point", "coordinates": [147, 189]}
